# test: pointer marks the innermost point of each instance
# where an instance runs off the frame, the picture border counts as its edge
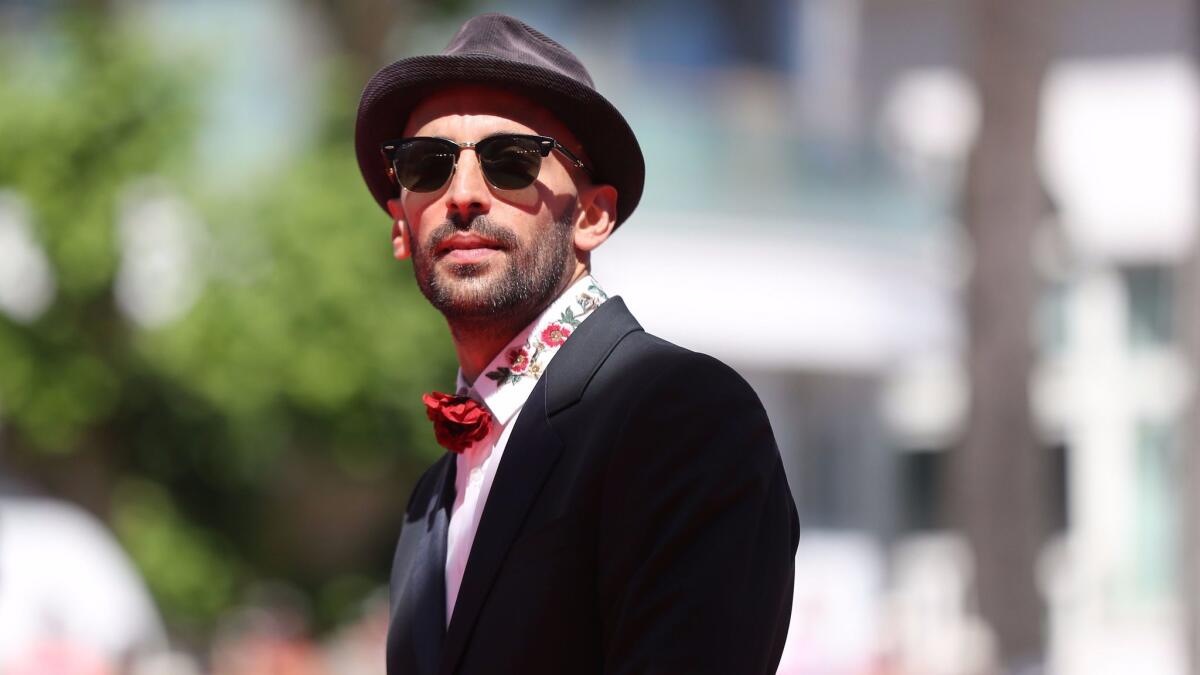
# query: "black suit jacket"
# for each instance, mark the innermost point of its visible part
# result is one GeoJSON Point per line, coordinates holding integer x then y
{"type": "Point", "coordinates": [639, 522]}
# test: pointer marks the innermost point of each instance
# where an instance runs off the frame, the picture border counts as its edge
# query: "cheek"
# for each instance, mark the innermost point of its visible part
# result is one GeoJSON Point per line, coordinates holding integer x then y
{"type": "Point", "coordinates": [421, 218]}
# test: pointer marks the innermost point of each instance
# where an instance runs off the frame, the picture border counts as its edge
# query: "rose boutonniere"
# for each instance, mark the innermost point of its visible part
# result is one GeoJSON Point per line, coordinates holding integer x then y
{"type": "Point", "coordinates": [458, 421]}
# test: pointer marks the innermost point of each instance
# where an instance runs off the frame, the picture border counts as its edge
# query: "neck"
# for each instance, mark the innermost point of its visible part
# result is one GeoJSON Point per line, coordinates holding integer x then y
{"type": "Point", "coordinates": [477, 342]}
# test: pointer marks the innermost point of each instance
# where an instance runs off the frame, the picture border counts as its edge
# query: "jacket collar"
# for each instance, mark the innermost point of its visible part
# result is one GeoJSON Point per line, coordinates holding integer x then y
{"type": "Point", "coordinates": [584, 353]}
{"type": "Point", "coordinates": [505, 383]}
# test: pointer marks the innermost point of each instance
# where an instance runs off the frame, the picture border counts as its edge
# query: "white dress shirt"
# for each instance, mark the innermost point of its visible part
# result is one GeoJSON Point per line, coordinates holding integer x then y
{"type": "Point", "coordinates": [503, 387]}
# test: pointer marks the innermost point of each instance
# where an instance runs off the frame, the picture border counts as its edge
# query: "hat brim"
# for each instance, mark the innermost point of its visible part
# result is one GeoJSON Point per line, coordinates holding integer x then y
{"type": "Point", "coordinates": [390, 95]}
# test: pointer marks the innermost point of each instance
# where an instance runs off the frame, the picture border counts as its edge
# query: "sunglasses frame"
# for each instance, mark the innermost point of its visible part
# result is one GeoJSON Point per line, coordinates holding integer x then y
{"type": "Point", "coordinates": [546, 144]}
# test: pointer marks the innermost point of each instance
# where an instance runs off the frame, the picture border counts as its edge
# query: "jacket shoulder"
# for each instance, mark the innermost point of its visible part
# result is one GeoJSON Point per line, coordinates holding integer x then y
{"type": "Point", "coordinates": [651, 361]}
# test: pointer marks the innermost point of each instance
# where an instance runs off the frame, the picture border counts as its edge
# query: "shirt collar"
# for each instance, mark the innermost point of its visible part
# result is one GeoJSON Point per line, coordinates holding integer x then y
{"type": "Point", "coordinates": [510, 376]}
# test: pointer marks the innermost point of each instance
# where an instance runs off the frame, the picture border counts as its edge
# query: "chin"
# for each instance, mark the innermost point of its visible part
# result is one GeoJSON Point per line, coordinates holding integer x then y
{"type": "Point", "coordinates": [470, 293]}
{"type": "Point", "coordinates": [454, 272]}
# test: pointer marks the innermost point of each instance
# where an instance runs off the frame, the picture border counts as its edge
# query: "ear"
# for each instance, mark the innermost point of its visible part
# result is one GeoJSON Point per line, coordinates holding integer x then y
{"type": "Point", "coordinates": [596, 218]}
{"type": "Point", "coordinates": [401, 245]}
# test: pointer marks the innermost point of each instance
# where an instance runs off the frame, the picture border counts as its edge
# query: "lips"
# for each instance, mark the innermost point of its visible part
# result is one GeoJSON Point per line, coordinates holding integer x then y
{"type": "Point", "coordinates": [467, 248]}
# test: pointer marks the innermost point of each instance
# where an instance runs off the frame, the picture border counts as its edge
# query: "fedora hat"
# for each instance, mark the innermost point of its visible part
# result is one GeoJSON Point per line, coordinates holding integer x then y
{"type": "Point", "coordinates": [499, 50]}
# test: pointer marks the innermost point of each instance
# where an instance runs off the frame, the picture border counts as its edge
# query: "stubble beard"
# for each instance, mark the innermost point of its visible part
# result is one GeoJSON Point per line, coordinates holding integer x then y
{"type": "Point", "coordinates": [472, 297]}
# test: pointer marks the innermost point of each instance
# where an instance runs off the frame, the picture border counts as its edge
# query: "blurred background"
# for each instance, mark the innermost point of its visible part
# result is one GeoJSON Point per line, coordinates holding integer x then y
{"type": "Point", "coordinates": [949, 242]}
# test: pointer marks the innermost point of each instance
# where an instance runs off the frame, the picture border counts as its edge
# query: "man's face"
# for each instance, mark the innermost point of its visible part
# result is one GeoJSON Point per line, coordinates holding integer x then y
{"type": "Point", "coordinates": [481, 254]}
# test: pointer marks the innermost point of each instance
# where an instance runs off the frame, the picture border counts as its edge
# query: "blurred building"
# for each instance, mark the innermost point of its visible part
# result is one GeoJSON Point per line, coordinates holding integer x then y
{"type": "Point", "coordinates": [815, 190]}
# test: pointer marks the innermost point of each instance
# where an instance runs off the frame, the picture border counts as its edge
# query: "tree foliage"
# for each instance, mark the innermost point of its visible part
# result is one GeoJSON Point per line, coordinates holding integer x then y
{"type": "Point", "coordinates": [272, 430]}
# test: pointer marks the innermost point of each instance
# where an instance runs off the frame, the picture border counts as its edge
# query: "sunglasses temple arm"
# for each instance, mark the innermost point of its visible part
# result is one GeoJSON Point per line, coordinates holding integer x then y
{"type": "Point", "coordinates": [571, 156]}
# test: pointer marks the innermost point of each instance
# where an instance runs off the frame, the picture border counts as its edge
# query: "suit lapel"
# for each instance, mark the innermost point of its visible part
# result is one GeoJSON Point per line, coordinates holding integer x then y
{"type": "Point", "coordinates": [533, 449]}
{"type": "Point", "coordinates": [581, 356]}
{"type": "Point", "coordinates": [422, 607]}
{"type": "Point", "coordinates": [531, 452]}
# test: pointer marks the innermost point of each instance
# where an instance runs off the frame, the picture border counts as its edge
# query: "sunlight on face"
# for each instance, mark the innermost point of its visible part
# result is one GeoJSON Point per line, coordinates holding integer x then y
{"type": "Point", "coordinates": [480, 252]}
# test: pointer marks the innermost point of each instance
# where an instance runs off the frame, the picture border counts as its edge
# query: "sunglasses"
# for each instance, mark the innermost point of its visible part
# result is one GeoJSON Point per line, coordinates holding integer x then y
{"type": "Point", "coordinates": [509, 161]}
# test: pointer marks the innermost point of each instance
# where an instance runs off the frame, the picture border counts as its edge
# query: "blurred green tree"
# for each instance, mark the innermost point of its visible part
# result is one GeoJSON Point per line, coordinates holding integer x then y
{"type": "Point", "coordinates": [272, 430]}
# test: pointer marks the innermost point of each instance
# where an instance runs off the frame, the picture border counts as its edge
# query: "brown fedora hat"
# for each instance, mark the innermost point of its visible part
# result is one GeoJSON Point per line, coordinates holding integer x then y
{"type": "Point", "coordinates": [500, 50]}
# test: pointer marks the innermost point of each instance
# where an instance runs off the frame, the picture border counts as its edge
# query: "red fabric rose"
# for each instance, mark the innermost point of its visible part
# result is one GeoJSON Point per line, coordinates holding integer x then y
{"type": "Point", "coordinates": [458, 421]}
{"type": "Point", "coordinates": [519, 360]}
{"type": "Point", "coordinates": [555, 334]}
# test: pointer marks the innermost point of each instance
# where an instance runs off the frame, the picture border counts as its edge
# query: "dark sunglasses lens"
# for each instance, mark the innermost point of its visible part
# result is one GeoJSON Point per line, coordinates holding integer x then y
{"type": "Point", "coordinates": [423, 165]}
{"type": "Point", "coordinates": [510, 162]}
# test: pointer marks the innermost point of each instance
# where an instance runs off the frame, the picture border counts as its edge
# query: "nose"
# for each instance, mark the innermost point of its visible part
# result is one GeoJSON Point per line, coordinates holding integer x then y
{"type": "Point", "coordinates": [468, 194]}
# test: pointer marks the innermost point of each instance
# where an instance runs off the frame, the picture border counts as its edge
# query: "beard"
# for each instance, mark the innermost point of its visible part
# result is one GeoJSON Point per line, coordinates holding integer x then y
{"type": "Point", "coordinates": [520, 279]}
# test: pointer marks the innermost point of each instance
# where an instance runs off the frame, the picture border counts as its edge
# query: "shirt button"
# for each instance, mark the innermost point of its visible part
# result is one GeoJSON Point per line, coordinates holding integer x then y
{"type": "Point", "coordinates": [476, 476]}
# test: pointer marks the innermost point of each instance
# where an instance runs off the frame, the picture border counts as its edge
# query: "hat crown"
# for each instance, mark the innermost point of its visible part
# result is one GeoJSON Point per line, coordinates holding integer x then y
{"type": "Point", "coordinates": [504, 37]}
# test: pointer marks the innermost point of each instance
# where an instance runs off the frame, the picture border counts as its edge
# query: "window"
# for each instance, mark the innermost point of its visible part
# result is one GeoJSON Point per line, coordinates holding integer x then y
{"type": "Point", "coordinates": [1151, 299]}
{"type": "Point", "coordinates": [1157, 496]}
{"type": "Point", "coordinates": [1051, 318]}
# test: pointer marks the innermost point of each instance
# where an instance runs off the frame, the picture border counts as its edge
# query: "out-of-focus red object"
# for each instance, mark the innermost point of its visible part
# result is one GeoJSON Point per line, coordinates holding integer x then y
{"type": "Point", "coordinates": [59, 657]}
{"type": "Point", "coordinates": [266, 655]}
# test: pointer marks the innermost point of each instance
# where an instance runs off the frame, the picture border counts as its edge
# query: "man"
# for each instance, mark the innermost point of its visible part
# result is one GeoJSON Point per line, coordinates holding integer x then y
{"type": "Point", "coordinates": [611, 503]}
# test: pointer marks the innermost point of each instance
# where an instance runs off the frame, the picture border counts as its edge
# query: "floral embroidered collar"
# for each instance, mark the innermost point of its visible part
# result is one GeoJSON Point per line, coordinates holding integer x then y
{"type": "Point", "coordinates": [508, 379]}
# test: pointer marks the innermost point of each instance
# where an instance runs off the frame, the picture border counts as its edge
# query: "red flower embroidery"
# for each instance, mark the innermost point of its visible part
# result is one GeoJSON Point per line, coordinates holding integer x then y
{"type": "Point", "coordinates": [555, 334]}
{"type": "Point", "coordinates": [519, 360]}
{"type": "Point", "coordinates": [458, 421]}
